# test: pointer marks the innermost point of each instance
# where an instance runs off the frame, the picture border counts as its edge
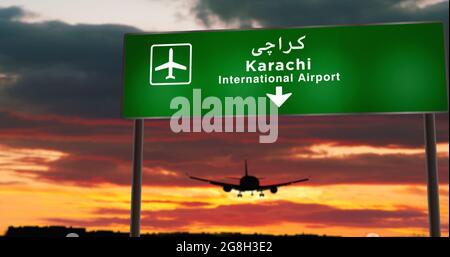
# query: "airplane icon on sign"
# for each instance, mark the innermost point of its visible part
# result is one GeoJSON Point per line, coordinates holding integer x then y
{"type": "Point", "coordinates": [170, 65]}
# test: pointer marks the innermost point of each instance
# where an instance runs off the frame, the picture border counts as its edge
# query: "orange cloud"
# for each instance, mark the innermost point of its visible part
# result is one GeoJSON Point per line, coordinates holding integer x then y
{"type": "Point", "coordinates": [15, 162]}
{"type": "Point", "coordinates": [334, 150]}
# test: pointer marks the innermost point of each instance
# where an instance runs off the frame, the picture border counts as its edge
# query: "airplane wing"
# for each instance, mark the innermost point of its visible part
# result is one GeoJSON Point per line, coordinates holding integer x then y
{"type": "Point", "coordinates": [163, 66]}
{"type": "Point", "coordinates": [267, 187]}
{"type": "Point", "coordinates": [217, 183]}
{"type": "Point", "coordinates": [178, 66]}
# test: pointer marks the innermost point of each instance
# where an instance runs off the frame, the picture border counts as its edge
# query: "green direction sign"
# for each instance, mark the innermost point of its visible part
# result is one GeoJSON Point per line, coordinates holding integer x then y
{"type": "Point", "coordinates": [391, 68]}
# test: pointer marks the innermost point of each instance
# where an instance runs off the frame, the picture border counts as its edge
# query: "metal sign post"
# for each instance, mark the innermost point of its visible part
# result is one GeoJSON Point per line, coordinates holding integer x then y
{"type": "Point", "coordinates": [136, 188]}
{"type": "Point", "coordinates": [432, 175]}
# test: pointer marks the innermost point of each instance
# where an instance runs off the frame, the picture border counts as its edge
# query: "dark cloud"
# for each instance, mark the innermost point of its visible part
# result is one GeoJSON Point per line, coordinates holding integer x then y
{"type": "Point", "coordinates": [42, 126]}
{"type": "Point", "coordinates": [87, 171]}
{"type": "Point", "coordinates": [268, 213]}
{"type": "Point", "coordinates": [167, 167]}
{"type": "Point", "coordinates": [61, 68]}
{"type": "Point", "coordinates": [318, 12]}
{"type": "Point", "coordinates": [100, 150]}
{"type": "Point", "coordinates": [376, 130]}
{"type": "Point", "coordinates": [11, 13]}
{"type": "Point", "coordinates": [368, 169]}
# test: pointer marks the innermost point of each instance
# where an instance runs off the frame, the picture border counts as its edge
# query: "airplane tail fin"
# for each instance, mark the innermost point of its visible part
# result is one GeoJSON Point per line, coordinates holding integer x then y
{"type": "Point", "coordinates": [170, 77]}
{"type": "Point", "coordinates": [246, 169]}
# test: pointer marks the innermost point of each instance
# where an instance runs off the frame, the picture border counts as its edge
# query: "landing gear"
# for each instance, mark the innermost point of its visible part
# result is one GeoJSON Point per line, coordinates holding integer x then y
{"type": "Point", "coordinates": [239, 195]}
{"type": "Point", "coordinates": [261, 194]}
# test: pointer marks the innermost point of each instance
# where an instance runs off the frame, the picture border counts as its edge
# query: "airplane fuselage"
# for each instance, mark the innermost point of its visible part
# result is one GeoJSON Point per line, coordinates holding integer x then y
{"type": "Point", "coordinates": [249, 183]}
{"type": "Point", "coordinates": [170, 69]}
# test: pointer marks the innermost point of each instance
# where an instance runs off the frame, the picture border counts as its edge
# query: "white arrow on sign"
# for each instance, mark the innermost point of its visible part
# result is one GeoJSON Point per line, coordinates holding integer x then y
{"type": "Point", "coordinates": [279, 98]}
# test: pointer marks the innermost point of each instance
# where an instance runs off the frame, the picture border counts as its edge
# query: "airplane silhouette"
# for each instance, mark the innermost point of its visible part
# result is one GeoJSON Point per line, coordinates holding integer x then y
{"type": "Point", "coordinates": [170, 65]}
{"type": "Point", "coordinates": [248, 183]}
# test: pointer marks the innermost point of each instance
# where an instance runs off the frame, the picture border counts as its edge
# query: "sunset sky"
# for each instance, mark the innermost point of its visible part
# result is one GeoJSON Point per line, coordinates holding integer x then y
{"type": "Point", "coordinates": [65, 152]}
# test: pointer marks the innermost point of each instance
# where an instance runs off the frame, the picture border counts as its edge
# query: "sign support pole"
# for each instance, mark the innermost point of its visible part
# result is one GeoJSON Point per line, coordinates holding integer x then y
{"type": "Point", "coordinates": [136, 187]}
{"type": "Point", "coordinates": [432, 175]}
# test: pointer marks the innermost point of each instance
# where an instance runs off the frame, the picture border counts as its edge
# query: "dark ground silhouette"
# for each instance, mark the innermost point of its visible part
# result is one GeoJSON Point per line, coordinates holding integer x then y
{"type": "Point", "coordinates": [61, 231]}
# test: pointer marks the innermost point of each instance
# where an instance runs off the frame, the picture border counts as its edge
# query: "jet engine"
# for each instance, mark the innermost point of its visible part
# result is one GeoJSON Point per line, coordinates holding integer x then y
{"type": "Point", "coordinates": [273, 190]}
{"type": "Point", "coordinates": [227, 189]}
